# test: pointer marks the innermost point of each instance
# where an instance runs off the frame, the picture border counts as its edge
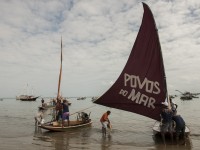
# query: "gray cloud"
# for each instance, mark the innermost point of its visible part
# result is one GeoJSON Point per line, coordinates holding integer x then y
{"type": "Point", "coordinates": [97, 39]}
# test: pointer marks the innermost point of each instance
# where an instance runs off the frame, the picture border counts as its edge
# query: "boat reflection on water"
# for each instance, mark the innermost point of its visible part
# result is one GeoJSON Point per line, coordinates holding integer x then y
{"type": "Point", "coordinates": [92, 138]}
{"type": "Point", "coordinates": [78, 138]}
{"type": "Point", "coordinates": [169, 145]}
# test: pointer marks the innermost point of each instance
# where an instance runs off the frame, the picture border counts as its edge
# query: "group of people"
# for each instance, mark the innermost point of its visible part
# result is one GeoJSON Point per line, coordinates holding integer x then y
{"type": "Point", "coordinates": [170, 120]}
{"type": "Point", "coordinates": [61, 112]}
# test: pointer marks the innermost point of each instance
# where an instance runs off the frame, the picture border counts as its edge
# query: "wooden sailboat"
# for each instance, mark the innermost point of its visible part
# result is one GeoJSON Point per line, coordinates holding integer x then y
{"type": "Point", "coordinates": [27, 96]}
{"type": "Point", "coordinates": [82, 118]}
{"type": "Point", "coordinates": [141, 87]}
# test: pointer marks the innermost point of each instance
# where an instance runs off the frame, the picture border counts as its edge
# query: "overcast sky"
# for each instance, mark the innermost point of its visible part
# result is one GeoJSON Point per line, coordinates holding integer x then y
{"type": "Point", "coordinates": [98, 36]}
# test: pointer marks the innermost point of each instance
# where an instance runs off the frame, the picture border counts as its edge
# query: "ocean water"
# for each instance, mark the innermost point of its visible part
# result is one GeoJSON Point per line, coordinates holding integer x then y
{"type": "Point", "coordinates": [130, 131]}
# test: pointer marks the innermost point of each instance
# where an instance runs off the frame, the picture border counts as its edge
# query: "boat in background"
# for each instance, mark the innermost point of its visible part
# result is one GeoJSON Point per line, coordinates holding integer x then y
{"type": "Point", "coordinates": [18, 97]}
{"type": "Point", "coordinates": [29, 96]}
{"type": "Point", "coordinates": [141, 87]}
{"type": "Point", "coordinates": [94, 98]}
{"type": "Point", "coordinates": [81, 98]}
{"type": "Point", "coordinates": [188, 95]}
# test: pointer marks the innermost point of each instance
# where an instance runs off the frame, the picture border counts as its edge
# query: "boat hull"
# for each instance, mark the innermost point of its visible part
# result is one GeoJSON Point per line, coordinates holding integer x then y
{"type": "Point", "coordinates": [29, 99]}
{"type": "Point", "coordinates": [186, 97]}
{"type": "Point", "coordinates": [59, 128]}
{"type": "Point", "coordinates": [157, 131]}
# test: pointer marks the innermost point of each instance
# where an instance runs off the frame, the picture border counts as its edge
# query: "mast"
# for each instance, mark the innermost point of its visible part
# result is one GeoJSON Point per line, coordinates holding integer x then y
{"type": "Point", "coordinates": [164, 77]}
{"type": "Point", "coordinates": [164, 74]}
{"type": "Point", "coordinates": [60, 75]}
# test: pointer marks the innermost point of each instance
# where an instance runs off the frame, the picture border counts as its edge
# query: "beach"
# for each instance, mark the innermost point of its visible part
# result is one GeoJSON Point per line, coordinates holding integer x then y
{"type": "Point", "coordinates": [130, 130]}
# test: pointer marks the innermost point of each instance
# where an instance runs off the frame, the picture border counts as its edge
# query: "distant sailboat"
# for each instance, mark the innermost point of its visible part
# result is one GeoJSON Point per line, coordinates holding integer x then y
{"type": "Point", "coordinates": [141, 87]}
{"type": "Point", "coordinates": [27, 96]}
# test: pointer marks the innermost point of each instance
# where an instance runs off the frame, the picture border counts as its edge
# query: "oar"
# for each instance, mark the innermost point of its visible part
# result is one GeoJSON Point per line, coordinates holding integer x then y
{"type": "Point", "coordinates": [179, 91]}
{"type": "Point", "coordinates": [82, 110]}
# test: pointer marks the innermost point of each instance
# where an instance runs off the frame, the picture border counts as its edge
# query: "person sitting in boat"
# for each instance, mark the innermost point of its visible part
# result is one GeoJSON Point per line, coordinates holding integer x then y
{"type": "Point", "coordinates": [65, 115]}
{"type": "Point", "coordinates": [104, 120]}
{"type": "Point", "coordinates": [179, 127]}
{"type": "Point", "coordinates": [59, 107]}
{"type": "Point", "coordinates": [166, 121]}
{"type": "Point", "coordinates": [39, 116]}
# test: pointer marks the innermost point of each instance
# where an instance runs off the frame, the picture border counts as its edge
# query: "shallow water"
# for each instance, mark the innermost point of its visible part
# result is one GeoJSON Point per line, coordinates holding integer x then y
{"type": "Point", "coordinates": [130, 131]}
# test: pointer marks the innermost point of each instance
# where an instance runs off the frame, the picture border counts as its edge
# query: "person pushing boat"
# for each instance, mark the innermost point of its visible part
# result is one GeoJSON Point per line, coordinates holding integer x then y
{"type": "Point", "coordinates": [105, 121]}
{"type": "Point", "coordinates": [166, 121]}
{"type": "Point", "coordinates": [179, 127]}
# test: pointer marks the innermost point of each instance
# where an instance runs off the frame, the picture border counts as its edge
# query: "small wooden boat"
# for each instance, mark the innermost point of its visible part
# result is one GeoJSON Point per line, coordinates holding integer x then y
{"type": "Point", "coordinates": [156, 129]}
{"type": "Point", "coordinates": [81, 98]}
{"type": "Point", "coordinates": [29, 98]}
{"type": "Point", "coordinates": [57, 127]}
{"type": "Point", "coordinates": [186, 97]}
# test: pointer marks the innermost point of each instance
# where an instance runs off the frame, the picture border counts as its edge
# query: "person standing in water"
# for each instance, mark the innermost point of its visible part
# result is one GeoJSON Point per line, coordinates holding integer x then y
{"type": "Point", "coordinates": [104, 120]}
{"type": "Point", "coordinates": [166, 120]}
{"type": "Point", "coordinates": [179, 127]}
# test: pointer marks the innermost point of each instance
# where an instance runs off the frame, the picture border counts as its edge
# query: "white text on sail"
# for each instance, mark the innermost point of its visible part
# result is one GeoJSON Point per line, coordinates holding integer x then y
{"type": "Point", "coordinates": [138, 97]}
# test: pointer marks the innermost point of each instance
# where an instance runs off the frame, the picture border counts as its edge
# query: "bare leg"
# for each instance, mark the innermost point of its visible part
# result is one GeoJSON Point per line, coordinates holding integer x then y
{"type": "Point", "coordinates": [62, 123]}
{"type": "Point", "coordinates": [163, 137]}
{"type": "Point", "coordinates": [103, 131]}
{"type": "Point", "coordinates": [177, 139]}
{"type": "Point", "coordinates": [184, 137]}
{"type": "Point", "coordinates": [35, 121]}
{"type": "Point", "coordinates": [171, 134]}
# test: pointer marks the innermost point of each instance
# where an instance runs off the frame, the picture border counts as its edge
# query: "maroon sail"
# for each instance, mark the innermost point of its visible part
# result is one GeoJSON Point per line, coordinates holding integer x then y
{"type": "Point", "coordinates": [141, 87]}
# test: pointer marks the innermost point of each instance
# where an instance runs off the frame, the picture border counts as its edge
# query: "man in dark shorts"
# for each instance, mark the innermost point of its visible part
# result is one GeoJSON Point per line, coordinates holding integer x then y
{"type": "Point", "coordinates": [180, 127]}
{"type": "Point", "coordinates": [65, 115]}
{"type": "Point", "coordinates": [166, 121]}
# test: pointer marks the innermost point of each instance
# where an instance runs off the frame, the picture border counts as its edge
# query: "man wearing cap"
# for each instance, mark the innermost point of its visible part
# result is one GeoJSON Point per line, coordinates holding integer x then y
{"type": "Point", "coordinates": [174, 106]}
{"type": "Point", "coordinates": [166, 120]}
